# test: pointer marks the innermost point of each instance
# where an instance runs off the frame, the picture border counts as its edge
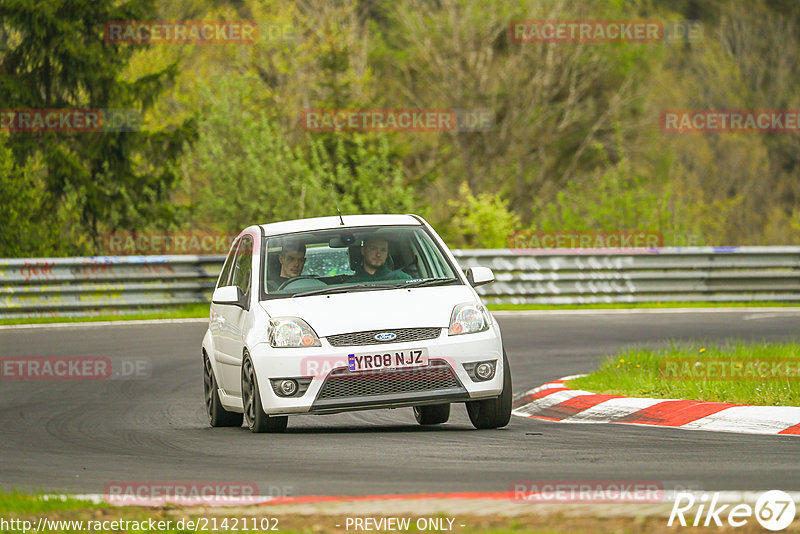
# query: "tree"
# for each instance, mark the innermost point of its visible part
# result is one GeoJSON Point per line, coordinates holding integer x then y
{"type": "Point", "coordinates": [27, 230]}
{"type": "Point", "coordinates": [244, 170]}
{"type": "Point", "coordinates": [57, 58]}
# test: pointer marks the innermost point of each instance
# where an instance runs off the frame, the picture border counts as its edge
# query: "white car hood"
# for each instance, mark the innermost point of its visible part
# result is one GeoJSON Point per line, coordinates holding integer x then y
{"type": "Point", "coordinates": [341, 313]}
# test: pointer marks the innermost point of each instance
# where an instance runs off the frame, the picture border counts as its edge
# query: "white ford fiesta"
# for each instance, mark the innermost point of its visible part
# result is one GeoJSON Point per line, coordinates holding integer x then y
{"type": "Point", "coordinates": [334, 314]}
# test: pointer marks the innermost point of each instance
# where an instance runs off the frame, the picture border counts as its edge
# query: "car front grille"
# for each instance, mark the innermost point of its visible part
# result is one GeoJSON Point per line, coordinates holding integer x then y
{"type": "Point", "coordinates": [342, 383]}
{"type": "Point", "coordinates": [368, 338]}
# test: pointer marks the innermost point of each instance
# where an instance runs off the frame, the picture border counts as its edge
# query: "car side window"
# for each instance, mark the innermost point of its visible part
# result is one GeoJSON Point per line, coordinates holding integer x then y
{"type": "Point", "coordinates": [242, 266]}
{"type": "Point", "coordinates": [225, 275]}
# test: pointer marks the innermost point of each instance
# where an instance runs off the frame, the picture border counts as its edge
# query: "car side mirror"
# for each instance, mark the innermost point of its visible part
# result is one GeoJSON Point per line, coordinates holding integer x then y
{"type": "Point", "coordinates": [478, 276]}
{"type": "Point", "coordinates": [226, 295]}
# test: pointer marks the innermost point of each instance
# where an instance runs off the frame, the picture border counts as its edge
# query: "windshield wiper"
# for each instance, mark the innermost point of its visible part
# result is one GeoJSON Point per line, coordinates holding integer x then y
{"type": "Point", "coordinates": [431, 282]}
{"type": "Point", "coordinates": [342, 289]}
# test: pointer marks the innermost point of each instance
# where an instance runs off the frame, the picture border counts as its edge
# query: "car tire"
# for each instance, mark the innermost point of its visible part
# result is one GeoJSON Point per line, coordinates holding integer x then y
{"type": "Point", "coordinates": [493, 413]}
{"type": "Point", "coordinates": [435, 414]}
{"type": "Point", "coordinates": [218, 416]}
{"type": "Point", "coordinates": [257, 421]}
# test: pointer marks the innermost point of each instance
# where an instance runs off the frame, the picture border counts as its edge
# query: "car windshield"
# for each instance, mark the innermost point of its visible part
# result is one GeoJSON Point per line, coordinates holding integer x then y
{"type": "Point", "coordinates": [353, 259]}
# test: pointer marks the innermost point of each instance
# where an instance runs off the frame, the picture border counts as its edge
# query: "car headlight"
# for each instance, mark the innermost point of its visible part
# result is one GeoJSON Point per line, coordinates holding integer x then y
{"type": "Point", "coordinates": [291, 332]}
{"type": "Point", "coordinates": [469, 318]}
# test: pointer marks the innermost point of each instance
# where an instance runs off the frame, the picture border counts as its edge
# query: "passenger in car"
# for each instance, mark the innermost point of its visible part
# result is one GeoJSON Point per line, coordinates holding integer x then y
{"type": "Point", "coordinates": [375, 252]}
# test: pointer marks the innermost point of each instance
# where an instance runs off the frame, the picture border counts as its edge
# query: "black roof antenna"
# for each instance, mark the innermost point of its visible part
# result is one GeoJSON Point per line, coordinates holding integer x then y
{"type": "Point", "coordinates": [337, 205]}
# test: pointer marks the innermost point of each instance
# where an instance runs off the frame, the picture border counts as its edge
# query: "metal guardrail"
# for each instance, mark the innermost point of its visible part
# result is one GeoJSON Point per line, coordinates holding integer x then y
{"type": "Point", "coordinates": [705, 274]}
{"type": "Point", "coordinates": [123, 284]}
{"type": "Point", "coordinates": [104, 284]}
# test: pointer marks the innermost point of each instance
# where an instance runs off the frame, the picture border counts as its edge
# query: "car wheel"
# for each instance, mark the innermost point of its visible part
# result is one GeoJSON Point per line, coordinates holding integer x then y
{"type": "Point", "coordinates": [217, 415]}
{"type": "Point", "coordinates": [257, 421]}
{"type": "Point", "coordinates": [432, 415]}
{"type": "Point", "coordinates": [493, 413]}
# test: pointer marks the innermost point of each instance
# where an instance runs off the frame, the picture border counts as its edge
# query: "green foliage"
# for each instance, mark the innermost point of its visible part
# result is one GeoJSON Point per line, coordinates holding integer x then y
{"type": "Point", "coordinates": [244, 171]}
{"type": "Point", "coordinates": [363, 172]}
{"type": "Point", "coordinates": [482, 221]}
{"type": "Point", "coordinates": [23, 231]}
{"type": "Point", "coordinates": [31, 226]}
{"type": "Point", "coordinates": [57, 58]}
{"type": "Point", "coordinates": [618, 198]}
{"type": "Point", "coordinates": [575, 145]}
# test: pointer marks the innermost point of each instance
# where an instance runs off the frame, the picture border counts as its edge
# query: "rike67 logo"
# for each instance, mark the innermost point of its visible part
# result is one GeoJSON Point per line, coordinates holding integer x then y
{"type": "Point", "coordinates": [774, 510]}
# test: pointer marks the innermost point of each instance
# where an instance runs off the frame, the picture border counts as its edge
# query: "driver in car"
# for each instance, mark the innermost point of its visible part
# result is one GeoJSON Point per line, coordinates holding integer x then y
{"type": "Point", "coordinates": [375, 251]}
{"type": "Point", "coordinates": [292, 259]}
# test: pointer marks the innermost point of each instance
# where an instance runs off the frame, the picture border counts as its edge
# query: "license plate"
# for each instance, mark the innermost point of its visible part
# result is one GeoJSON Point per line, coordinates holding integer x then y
{"type": "Point", "coordinates": [394, 359]}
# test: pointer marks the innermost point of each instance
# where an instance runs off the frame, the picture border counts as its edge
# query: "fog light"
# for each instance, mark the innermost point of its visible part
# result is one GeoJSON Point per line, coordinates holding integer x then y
{"type": "Point", "coordinates": [288, 387]}
{"type": "Point", "coordinates": [484, 371]}
{"type": "Point", "coordinates": [481, 371]}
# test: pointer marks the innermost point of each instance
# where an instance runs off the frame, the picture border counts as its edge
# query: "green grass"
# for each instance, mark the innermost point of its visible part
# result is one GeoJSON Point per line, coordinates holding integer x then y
{"type": "Point", "coordinates": [187, 311]}
{"type": "Point", "coordinates": [638, 373]}
{"type": "Point", "coordinates": [21, 503]}
{"type": "Point", "coordinates": [648, 305]}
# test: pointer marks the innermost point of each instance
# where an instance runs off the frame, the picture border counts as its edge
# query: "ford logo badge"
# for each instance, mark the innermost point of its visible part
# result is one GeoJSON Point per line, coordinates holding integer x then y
{"type": "Point", "coordinates": [385, 336]}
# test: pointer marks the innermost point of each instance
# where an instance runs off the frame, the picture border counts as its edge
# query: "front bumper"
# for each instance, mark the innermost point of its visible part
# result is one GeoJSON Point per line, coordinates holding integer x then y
{"type": "Point", "coordinates": [334, 388]}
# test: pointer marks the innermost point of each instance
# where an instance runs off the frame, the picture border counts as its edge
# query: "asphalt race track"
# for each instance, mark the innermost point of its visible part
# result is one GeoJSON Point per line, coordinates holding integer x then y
{"type": "Point", "coordinates": [77, 436]}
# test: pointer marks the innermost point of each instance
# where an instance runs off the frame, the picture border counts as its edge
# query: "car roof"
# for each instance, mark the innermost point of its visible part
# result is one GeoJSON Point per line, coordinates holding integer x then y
{"type": "Point", "coordinates": [350, 221]}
